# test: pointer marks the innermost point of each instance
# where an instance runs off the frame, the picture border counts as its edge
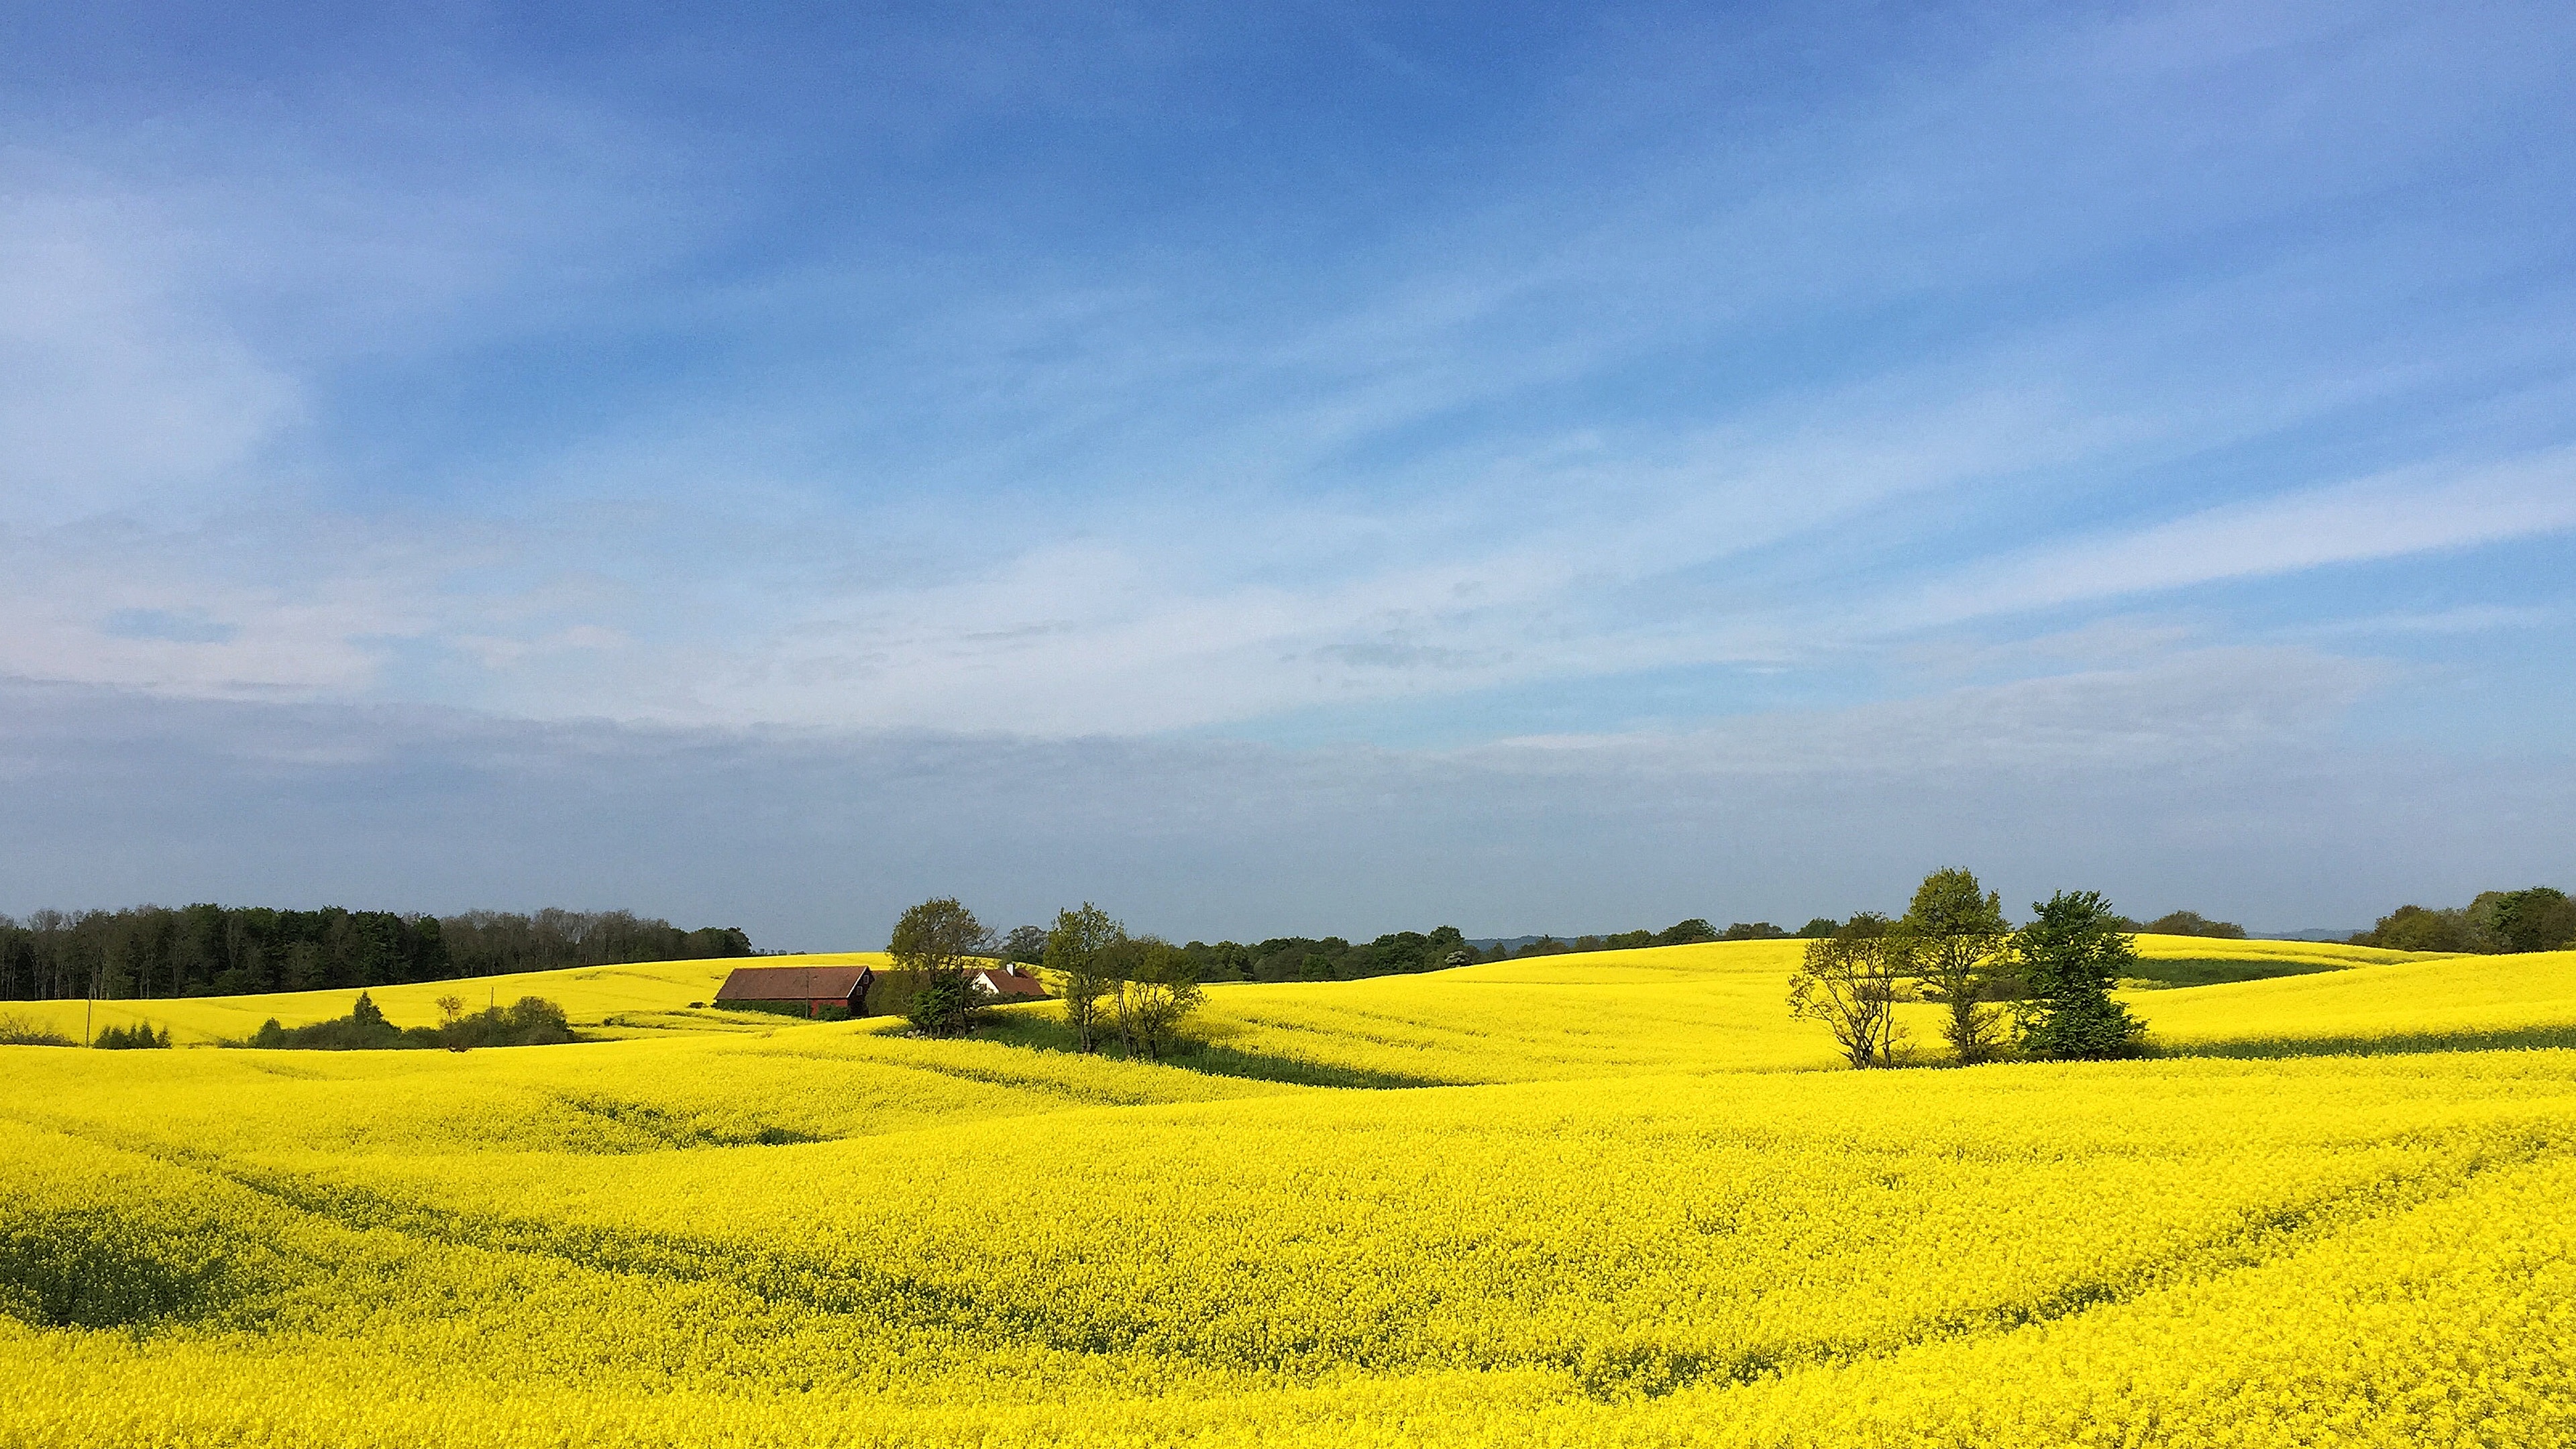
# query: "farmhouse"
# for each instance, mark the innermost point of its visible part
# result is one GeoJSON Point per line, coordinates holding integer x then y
{"type": "Point", "coordinates": [1009, 981]}
{"type": "Point", "coordinates": [815, 986]}
{"type": "Point", "coordinates": [861, 990]}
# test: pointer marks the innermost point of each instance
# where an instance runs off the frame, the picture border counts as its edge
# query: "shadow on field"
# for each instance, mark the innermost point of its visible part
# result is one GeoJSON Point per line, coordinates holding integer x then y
{"type": "Point", "coordinates": [2528, 1038]}
{"type": "Point", "coordinates": [1210, 1058]}
{"type": "Point", "coordinates": [2166, 974]}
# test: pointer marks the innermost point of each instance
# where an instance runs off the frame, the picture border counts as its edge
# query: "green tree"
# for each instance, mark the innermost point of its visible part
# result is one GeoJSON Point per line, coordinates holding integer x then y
{"type": "Point", "coordinates": [2538, 919]}
{"type": "Point", "coordinates": [2072, 953]}
{"type": "Point", "coordinates": [1686, 933]}
{"type": "Point", "coordinates": [1848, 982]}
{"type": "Point", "coordinates": [1157, 987]}
{"type": "Point", "coordinates": [2193, 923]}
{"type": "Point", "coordinates": [1075, 957]}
{"type": "Point", "coordinates": [941, 940]}
{"type": "Point", "coordinates": [1959, 948]}
{"type": "Point", "coordinates": [1025, 945]}
{"type": "Point", "coordinates": [2417, 928]}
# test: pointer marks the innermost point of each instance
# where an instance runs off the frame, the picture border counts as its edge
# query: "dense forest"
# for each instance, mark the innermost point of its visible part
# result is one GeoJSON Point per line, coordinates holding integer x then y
{"type": "Point", "coordinates": [211, 950]}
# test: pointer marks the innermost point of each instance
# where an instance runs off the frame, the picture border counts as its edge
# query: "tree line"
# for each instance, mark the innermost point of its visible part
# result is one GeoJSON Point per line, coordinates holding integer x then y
{"type": "Point", "coordinates": [2043, 989]}
{"type": "Point", "coordinates": [2541, 918]}
{"type": "Point", "coordinates": [212, 950]}
{"type": "Point", "coordinates": [1331, 958]}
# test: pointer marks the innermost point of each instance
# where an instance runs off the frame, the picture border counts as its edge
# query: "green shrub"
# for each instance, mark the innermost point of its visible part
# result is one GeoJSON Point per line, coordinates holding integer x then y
{"type": "Point", "coordinates": [130, 1038]}
{"type": "Point", "coordinates": [529, 1021]}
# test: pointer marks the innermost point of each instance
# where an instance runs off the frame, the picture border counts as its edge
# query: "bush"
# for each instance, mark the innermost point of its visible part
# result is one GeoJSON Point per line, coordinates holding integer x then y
{"type": "Point", "coordinates": [529, 1021]}
{"type": "Point", "coordinates": [16, 1030]}
{"type": "Point", "coordinates": [139, 1036]}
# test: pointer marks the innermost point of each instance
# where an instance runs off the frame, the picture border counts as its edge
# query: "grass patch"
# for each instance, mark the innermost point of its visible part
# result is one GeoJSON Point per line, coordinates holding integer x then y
{"type": "Point", "coordinates": [2162, 975]}
{"type": "Point", "coordinates": [1209, 1058]}
{"type": "Point", "coordinates": [2524, 1038]}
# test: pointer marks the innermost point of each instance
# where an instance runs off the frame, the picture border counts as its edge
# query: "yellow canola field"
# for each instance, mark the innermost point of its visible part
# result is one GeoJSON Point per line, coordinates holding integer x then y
{"type": "Point", "coordinates": [1721, 1007]}
{"type": "Point", "coordinates": [2443, 1001]}
{"type": "Point", "coordinates": [1638, 1225]}
{"type": "Point", "coordinates": [2167, 1252]}
{"type": "Point", "coordinates": [643, 996]}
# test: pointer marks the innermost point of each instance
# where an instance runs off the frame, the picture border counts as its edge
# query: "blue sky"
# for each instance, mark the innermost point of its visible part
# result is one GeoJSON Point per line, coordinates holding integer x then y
{"type": "Point", "coordinates": [1447, 392]}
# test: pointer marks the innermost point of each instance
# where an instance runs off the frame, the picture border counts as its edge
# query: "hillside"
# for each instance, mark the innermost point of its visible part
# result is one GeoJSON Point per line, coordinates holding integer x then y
{"type": "Point", "coordinates": [644, 997]}
{"type": "Point", "coordinates": [792, 1234]}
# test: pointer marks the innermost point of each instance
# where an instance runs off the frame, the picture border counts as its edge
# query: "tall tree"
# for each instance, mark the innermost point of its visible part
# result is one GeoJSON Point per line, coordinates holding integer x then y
{"type": "Point", "coordinates": [1958, 941]}
{"type": "Point", "coordinates": [2539, 919]}
{"type": "Point", "coordinates": [2072, 953]}
{"type": "Point", "coordinates": [1156, 988]}
{"type": "Point", "coordinates": [1848, 982]}
{"type": "Point", "coordinates": [1075, 957]}
{"type": "Point", "coordinates": [941, 940]}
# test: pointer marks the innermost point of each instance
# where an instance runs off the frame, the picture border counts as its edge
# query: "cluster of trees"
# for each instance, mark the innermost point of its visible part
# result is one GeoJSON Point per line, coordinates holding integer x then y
{"type": "Point", "coordinates": [212, 950]}
{"type": "Point", "coordinates": [2186, 923]}
{"type": "Point", "coordinates": [1143, 987]}
{"type": "Point", "coordinates": [2541, 918]}
{"type": "Point", "coordinates": [140, 1036]}
{"type": "Point", "coordinates": [1140, 988]}
{"type": "Point", "coordinates": [529, 1021]}
{"type": "Point", "coordinates": [2044, 988]}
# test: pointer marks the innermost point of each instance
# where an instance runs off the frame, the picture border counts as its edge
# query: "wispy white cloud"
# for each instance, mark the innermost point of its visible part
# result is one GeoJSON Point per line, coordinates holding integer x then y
{"type": "Point", "coordinates": [114, 392]}
{"type": "Point", "coordinates": [2413, 511]}
{"type": "Point", "coordinates": [1767, 393]}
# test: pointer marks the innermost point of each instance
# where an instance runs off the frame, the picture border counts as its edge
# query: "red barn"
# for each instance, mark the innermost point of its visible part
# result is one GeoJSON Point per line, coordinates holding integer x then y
{"type": "Point", "coordinates": [816, 986]}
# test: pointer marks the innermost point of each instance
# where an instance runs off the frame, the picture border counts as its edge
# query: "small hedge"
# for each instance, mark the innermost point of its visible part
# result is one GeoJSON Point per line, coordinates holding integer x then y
{"type": "Point", "coordinates": [529, 1021]}
{"type": "Point", "coordinates": [139, 1036]}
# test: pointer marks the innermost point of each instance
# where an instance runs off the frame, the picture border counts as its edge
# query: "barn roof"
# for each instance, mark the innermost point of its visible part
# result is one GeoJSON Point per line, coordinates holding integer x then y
{"type": "Point", "coordinates": [789, 983]}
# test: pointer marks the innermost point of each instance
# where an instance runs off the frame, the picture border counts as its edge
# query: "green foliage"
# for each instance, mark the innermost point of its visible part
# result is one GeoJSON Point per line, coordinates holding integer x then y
{"type": "Point", "coordinates": [1958, 939]}
{"type": "Point", "coordinates": [529, 1021]}
{"type": "Point", "coordinates": [2538, 919]}
{"type": "Point", "coordinates": [1025, 945]}
{"type": "Point", "coordinates": [1847, 981]}
{"type": "Point", "coordinates": [946, 1005]}
{"type": "Point", "coordinates": [1819, 926]}
{"type": "Point", "coordinates": [2192, 923]}
{"type": "Point", "coordinates": [212, 950]}
{"type": "Point", "coordinates": [2541, 918]}
{"type": "Point", "coordinates": [1074, 958]}
{"type": "Point", "coordinates": [2073, 952]}
{"type": "Point", "coordinates": [139, 1036]}
{"type": "Point", "coordinates": [1154, 988]}
{"type": "Point", "coordinates": [2164, 972]}
{"type": "Point", "coordinates": [942, 941]}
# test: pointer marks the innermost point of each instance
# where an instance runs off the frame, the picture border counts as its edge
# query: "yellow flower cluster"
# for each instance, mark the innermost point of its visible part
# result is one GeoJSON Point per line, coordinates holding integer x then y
{"type": "Point", "coordinates": [837, 1235]}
